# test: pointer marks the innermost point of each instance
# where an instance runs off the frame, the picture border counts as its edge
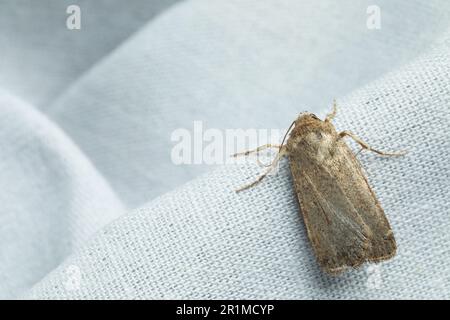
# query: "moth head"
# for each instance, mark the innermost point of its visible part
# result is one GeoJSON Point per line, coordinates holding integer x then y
{"type": "Point", "coordinates": [304, 121]}
{"type": "Point", "coordinates": [305, 118]}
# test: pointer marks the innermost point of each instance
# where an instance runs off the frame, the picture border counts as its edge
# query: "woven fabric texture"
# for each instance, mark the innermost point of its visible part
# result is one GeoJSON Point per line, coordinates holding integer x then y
{"type": "Point", "coordinates": [231, 64]}
{"type": "Point", "coordinates": [205, 241]}
{"type": "Point", "coordinates": [86, 118]}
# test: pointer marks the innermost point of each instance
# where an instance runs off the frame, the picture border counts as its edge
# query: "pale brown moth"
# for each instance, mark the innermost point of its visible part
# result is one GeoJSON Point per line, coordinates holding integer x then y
{"type": "Point", "coordinates": [344, 220]}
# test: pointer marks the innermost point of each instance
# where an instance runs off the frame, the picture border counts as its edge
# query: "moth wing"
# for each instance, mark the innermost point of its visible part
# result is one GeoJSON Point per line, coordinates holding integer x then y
{"type": "Point", "coordinates": [382, 242]}
{"type": "Point", "coordinates": [339, 237]}
{"type": "Point", "coordinates": [345, 223]}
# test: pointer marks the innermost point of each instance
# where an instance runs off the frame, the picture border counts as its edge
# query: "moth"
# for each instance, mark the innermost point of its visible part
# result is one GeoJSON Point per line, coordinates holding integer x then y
{"type": "Point", "coordinates": [345, 222]}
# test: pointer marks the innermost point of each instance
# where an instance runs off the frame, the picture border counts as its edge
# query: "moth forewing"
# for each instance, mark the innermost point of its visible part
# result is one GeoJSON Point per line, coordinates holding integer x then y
{"type": "Point", "coordinates": [344, 220]}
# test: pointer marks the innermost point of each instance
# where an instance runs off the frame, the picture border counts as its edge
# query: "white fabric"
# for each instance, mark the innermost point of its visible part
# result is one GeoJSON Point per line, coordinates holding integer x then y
{"type": "Point", "coordinates": [205, 241]}
{"type": "Point", "coordinates": [48, 194]}
{"type": "Point", "coordinates": [231, 64]}
{"type": "Point", "coordinates": [40, 57]}
{"type": "Point", "coordinates": [102, 146]}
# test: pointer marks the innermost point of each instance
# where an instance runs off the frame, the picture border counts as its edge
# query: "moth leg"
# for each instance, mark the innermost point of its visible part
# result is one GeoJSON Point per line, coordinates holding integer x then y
{"type": "Point", "coordinates": [364, 145]}
{"type": "Point", "coordinates": [280, 154]}
{"type": "Point", "coordinates": [260, 163]}
{"type": "Point", "coordinates": [332, 114]}
{"type": "Point", "coordinates": [260, 148]}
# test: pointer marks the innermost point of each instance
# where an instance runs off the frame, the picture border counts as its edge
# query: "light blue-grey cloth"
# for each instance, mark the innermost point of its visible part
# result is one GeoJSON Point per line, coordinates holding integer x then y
{"type": "Point", "coordinates": [86, 171]}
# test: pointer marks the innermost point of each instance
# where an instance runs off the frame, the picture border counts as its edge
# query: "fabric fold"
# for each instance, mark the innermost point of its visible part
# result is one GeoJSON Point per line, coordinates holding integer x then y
{"type": "Point", "coordinates": [229, 64]}
{"type": "Point", "coordinates": [52, 198]}
{"type": "Point", "coordinates": [205, 241]}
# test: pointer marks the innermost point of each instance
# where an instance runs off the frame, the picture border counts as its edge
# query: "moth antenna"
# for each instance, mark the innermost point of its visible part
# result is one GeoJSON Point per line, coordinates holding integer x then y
{"type": "Point", "coordinates": [284, 139]}
{"type": "Point", "coordinates": [287, 132]}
